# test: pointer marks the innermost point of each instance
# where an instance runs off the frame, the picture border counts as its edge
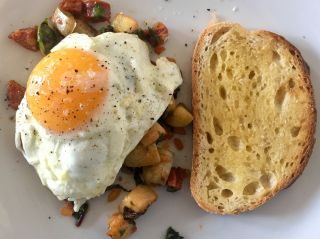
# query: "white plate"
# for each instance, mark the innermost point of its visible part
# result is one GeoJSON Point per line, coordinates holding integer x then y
{"type": "Point", "coordinates": [28, 210]}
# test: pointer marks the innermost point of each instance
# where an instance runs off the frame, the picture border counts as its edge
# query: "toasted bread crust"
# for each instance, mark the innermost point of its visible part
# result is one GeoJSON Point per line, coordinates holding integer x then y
{"type": "Point", "coordinates": [202, 42]}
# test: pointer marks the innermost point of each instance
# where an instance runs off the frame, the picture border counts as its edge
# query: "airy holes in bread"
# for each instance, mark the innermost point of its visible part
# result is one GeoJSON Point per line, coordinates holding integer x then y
{"type": "Point", "coordinates": [209, 138]}
{"type": "Point", "coordinates": [212, 185]}
{"type": "Point", "coordinates": [223, 55]}
{"type": "Point", "coordinates": [211, 150]}
{"type": "Point", "coordinates": [280, 96]}
{"type": "Point", "coordinates": [222, 92]}
{"type": "Point", "coordinates": [226, 193]}
{"type": "Point", "coordinates": [213, 62]}
{"type": "Point", "coordinates": [295, 131]}
{"type": "Point", "coordinates": [275, 56]}
{"type": "Point", "coordinates": [248, 148]}
{"type": "Point", "coordinates": [268, 180]}
{"type": "Point", "coordinates": [251, 75]}
{"type": "Point", "coordinates": [234, 142]}
{"type": "Point", "coordinates": [217, 126]}
{"type": "Point", "coordinates": [229, 74]}
{"type": "Point", "coordinates": [291, 83]}
{"type": "Point", "coordinates": [251, 188]}
{"type": "Point", "coordinates": [224, 174]}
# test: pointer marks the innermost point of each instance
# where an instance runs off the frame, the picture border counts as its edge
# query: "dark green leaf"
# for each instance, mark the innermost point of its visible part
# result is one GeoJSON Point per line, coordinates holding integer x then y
{"type": "Point", "coordinates": [47, 37]}
{"type": "Point", "coordinates": [172, 234]}
{"type": "Point", "coordinates": [98, 10]}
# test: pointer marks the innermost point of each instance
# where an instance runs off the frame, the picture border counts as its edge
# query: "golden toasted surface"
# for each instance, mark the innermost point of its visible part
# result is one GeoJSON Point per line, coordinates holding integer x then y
{"type": "Point", "coordinates": [254, 117]}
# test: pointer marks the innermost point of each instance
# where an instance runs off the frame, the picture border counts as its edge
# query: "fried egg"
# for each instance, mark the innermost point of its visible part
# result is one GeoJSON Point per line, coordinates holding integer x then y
{"type": "Point", "coordinates": [87, 105]}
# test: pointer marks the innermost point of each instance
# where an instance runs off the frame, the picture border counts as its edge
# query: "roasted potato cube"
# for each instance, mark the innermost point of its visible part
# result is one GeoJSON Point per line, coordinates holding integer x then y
{"type": "Point", "coordinates": [124, 23]}
{"type": "Point", "coordinates": [153, 134]}
{"type": "Point", "coordinates": [180, 117]}
{"type": "Point", "coordinates": [63, 21]}
{"type": "Point", "coordinates": [143, 156]}
{"type": "Point", "coordinates": [159, 173]}
{"type": "Point", "coordinates": [137, 201]}
{"type": "Point", "coordinates": [120, 228]}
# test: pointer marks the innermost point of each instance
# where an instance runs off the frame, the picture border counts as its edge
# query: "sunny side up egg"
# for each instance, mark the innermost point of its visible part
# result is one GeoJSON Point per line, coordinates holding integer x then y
{"type": "Point", "coordinates": [87, 105]}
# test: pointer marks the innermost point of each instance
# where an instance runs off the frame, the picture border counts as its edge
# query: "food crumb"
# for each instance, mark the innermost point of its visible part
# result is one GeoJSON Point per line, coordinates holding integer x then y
{"type": "Point", "coordinates": [178, 143]}
{"type": "Point", "coordinates": [49, 217]}
{"type": "Point", "coordinates": [235, 9]}
{"type": "Point", "coordinates": [186, 44]}
{"type": "Point", "coordinates": [208, 9]}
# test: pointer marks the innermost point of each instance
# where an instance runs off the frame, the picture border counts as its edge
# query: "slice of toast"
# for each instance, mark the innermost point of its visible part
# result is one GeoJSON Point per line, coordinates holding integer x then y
{"type": "Point", "coordinates": [254, 117]}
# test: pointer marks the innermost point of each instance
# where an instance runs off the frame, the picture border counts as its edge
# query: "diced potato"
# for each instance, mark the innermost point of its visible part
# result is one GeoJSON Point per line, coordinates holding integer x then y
{"type": "Point", "coordinates": [180, 117]}
{"type": "Point", "coordinates": [85, 28]}
{"type": "Point", "coordinates": [123, 23]}
{"type": "Point", "coordinates": [143, 156]}
{"type": "Point", "coordinates": [63, 21]}
{"type": "Point", "coordinates": [137, 201]}
{"type": "Point", "coordinates": [120, 228]}
{"type": "Point", "coordinates": [159, 173]}
{"type": "Point", "coordinates": [153, 134]}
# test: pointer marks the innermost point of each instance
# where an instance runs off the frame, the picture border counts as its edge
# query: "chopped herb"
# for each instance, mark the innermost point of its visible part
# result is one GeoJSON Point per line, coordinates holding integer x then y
{"type": "Point", "coordinates": [79, 216]}
{"type": "Point", "coordinates": [98, 11]}
{"type": "Point", "coordinates": [47, 37]}
{"type": "Point", "coordinates": [172, 234]}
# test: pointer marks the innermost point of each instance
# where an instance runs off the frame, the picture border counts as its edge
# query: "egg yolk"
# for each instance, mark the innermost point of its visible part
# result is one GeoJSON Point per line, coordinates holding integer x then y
{"type": "Point", "coordinates": [66, 88]}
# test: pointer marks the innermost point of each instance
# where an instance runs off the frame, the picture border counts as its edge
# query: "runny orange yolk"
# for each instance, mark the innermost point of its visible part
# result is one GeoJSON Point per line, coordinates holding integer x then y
{"type": "Point", "coordinates": [66, 88]}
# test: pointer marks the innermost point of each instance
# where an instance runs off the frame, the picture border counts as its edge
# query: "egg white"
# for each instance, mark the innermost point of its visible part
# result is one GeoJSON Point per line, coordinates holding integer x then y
{"type": "Point", "coordinates": [79, 165]}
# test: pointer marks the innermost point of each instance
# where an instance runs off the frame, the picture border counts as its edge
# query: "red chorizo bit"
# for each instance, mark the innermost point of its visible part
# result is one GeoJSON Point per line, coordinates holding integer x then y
{"type": "Point", "coordinates": [26, 37]}
{"type": "Point", "coordinates": [15, 93]}
{"type": "Point", "coordinates": [159, 49]}
{"type": "Point", "coordinates": [96, 11]}
{"type": "Point", "coordinates": [72, 6]}
{"type": "Point", "coordinates": [178, 144]}
{"type": "Point", "coordinates": [162, 31]}
{"type": "Point", "coordinates": [175, 179]}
